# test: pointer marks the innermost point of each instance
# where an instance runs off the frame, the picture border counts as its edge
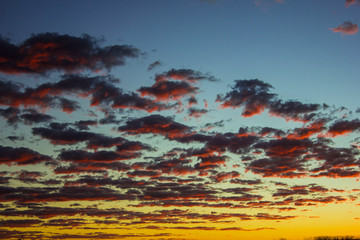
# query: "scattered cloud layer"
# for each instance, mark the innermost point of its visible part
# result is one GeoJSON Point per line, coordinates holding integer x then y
{"type": "Point", "coordinates": [87, 145]}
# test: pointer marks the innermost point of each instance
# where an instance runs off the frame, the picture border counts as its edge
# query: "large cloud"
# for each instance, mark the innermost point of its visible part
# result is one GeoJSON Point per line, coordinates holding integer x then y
{"type": "Point", "coordinates": [46, 52]}
{"type": "Point", "coordinates": [21, 156]}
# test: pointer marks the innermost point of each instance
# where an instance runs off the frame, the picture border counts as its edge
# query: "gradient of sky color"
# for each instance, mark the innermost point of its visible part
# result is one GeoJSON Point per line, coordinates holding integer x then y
{"type": "Point", "coordinates": [188, 119]}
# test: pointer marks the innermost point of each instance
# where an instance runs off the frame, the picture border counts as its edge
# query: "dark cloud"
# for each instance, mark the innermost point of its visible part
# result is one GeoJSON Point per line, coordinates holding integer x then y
{"type": "Point", "coordinates": [155, 124]}
{"type": "Point", "coordinates": [29, 116]}
{"type": "Point", "coordinates": [32, 116]}
{"type": "Point", "coordinates": [277, 167]}
{"type": "Point", "coordinates": [197, 113]}
{"type": "Point", "coordinates": [85, 124]}
{"type": "Point", "coordinates": [66, 136]}
{"type": "Point", "coordinates": [23, 194]}
{"type": "Point", "coordinates": [29, 177]}
{"type": "Point", "coordinates": [166, 90]}
{"type": "Point", "coordinates": [102, 92]}
{"type": "Point", "coordinates": [99, 156]}
{"type": "Point", "coordinates": [21, 156]}
{"type": "Point", "coordinates": [175, 85]}
{"type": "Point", "coordinates": [254, 97]}
{"type": "Point", "coordinates": [64, 222]}
{"type": "Point", "coordinates": [154, 65]}
{"type": "Point", "coordinates": [307, 131]}
{"type": "Point", "coordinates": [187, 75]}
{"type": "Point", "coordinates": [46, 52]}
{"type": "Point", "coordinates": [10, 114]}
{"type": "Point", "coordinates": [293, 110]}
{"type": "Point", "coordinates": [92, 167]}
{"type": "Point", "coordinates": [173, 167]}
{"type": "Point", "coordinates": [15, 138]}
{"type": "Point", "coordinates": [11, 95]}
{"type": "Point", "coordinates": [20, 223]}
{"type": "Point", "coordinates": [252, 94]}
{"type": "Point", "coordinates": [219, 177]}
{"type": "Point", "coordinates": [285, 147]}
{"type": "Point", "coordinates": [344, 127]}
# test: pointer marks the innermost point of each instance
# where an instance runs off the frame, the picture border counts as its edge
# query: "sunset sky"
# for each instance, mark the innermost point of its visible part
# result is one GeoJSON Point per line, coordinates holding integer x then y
{"type": "Point", "coordinates": [179, 119]}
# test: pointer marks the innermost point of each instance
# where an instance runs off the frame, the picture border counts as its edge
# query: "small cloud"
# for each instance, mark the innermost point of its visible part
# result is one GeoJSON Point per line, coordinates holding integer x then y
{"type": "Point", "coordinates": [264, 3]}
{"type": "Point", "coordinates": [154, 65]}
{"type": "Point", "coordinates": [351, 2]}
{"type": "Point", "coordinates": [348, 28]}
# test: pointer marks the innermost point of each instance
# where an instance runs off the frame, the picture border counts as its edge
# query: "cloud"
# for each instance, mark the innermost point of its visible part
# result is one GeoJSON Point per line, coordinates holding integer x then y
{"type": "Point", "coordinates": [45, 52]}
{"type": "Point", "coordinates": [154, 65]}
{"type": "Point", "coordinates": [99, 156]}
{"type": "Point", "coordinates": [187, 75]}
{"type": "Point", "coordinates": [265, 3]}
{"type": "Point", "coordinates": [92, 167]}
{"type": "Point", "coordinates": [253, 95]}
{"type": "Point", "coordinates": [157, 162]}
{"type": "Point", "coordinates": [344, 127]}
{"type": "Point", "coordinates": [29, 116]}
{"type": "Point", "coordinates": [65, 193]}
{"type": "Point", "coordinates": [293, 110]}
{"type": "Point", "coordinates": [21, 156]}
{"type": "Point", "coordinates": [348, 28]}
{"type": "Point", "coordinates": [101, 90]}
{"type": "Point", "coordinates": [197, 113]}
{"type": "Point", "coordinates": [166, 90]}
{"type": "Point", "coordinates": [20, 223]}
{"type": "Point", "coordinates": [351, 2]}
{"type": "Point", "coordinates": [277, 167]}
{"type": "Point", "coordinates": [155, 124]}
{"type": "Point", "coordinates": [32, 116]}
{"type": "Point", "coordinates": [175, 84]}
{"type": "Point", "coordinates": [64, 136]}
{"type": "Point", "coordinates": [12, 96]}
{"type": "Point", "coordinates": [307, 131]}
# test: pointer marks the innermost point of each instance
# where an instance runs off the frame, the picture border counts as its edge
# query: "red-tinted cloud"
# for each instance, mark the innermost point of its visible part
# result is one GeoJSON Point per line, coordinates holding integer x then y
{"type": "Point", "coordinates": [348, 28]}
{"type": "Point", "coordinates": [46, 52]}
{"type": "Point", "coordinates": [344, 127]}
{"type": "Point", "coordinates": [252, 94]}
{"type": "Point", "coordinates": [21, 156]}
{"type": "Point", "coordinates": [307, 131]}
{"type": "Point", "coordinates": [167, 90]}
{"type": "Point", "coordinates": [351, 2]}
{"type": "Point", "coordinates": [155, 124]}
{"type": "Point", "coordinates": [225, 175]}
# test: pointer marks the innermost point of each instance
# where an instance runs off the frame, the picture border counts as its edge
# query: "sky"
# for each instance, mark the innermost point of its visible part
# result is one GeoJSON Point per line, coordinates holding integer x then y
{"type": "Point", "coordinates": [182, 119]}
